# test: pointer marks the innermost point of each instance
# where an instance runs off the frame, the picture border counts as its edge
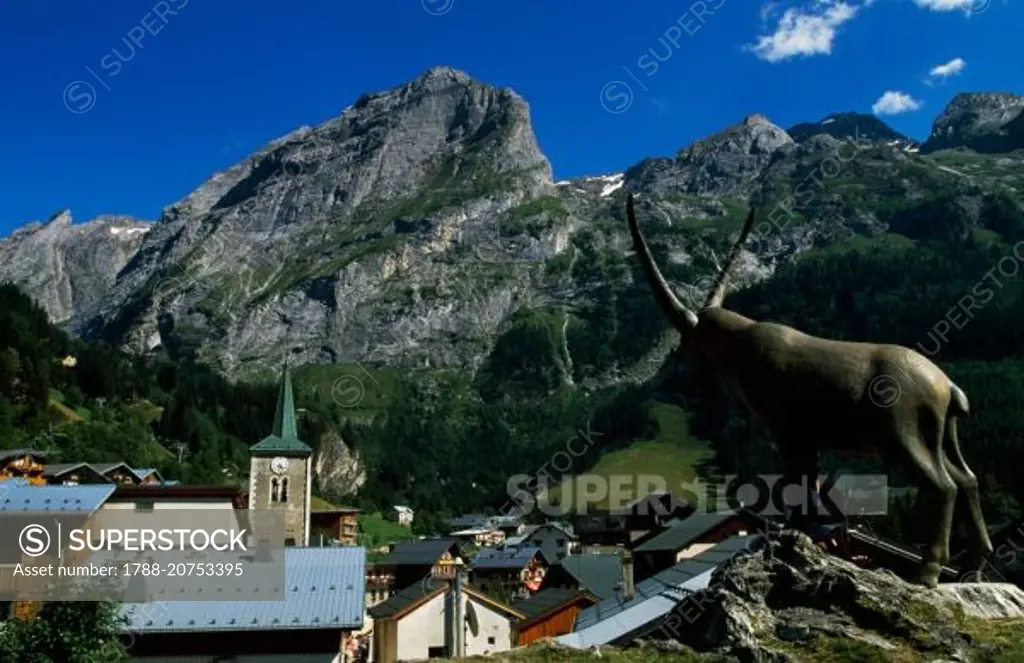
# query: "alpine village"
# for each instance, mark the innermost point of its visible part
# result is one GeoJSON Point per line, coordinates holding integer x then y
{"type": "Point", "coordinates": [449, 374]}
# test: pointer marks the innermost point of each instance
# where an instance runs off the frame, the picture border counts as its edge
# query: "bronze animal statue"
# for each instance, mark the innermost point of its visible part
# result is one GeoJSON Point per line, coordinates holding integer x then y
{"type": "Point", "coordinates": [813, 394]}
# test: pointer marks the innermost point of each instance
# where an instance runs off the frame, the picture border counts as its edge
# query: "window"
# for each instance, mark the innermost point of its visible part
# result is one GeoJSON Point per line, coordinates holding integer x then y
{"type": "Point", "coordinates": [278, 489]}
{"type": "Point", "coordinates": [490, 640]}
{"type": "Point", "coordinates": [437, 652]}
{"type": "Point", "coordinates": [144, 506]}
{"type": "Point", "coordinates": [560, 543]}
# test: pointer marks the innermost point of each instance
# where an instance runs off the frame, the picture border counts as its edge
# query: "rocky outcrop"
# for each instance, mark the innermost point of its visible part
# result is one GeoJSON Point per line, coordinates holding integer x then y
{"type": "Point", "coordinates": [339, 471]}
{"type": "Point", "coordinates": [983, 122]}
{"type": "Point", "coordinates": [789, 600]}
{"type": "Point", "coordinates": [70, 267]}
{"type": "Point", "coordinates": [727, 163]}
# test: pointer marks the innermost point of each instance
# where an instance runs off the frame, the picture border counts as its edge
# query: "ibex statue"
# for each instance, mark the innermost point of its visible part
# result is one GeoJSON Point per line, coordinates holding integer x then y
{"type": "Point", "coordinates": [812, 394]}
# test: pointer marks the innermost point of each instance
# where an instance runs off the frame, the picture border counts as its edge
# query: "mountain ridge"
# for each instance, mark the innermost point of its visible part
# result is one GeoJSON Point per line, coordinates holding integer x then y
{"type": "Point", "coordinates": [428, 212]}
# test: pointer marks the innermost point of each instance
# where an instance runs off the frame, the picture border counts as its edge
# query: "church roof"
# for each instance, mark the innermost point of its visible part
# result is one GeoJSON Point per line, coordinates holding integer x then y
{"type": "Point", "coordinates": [285, 437]}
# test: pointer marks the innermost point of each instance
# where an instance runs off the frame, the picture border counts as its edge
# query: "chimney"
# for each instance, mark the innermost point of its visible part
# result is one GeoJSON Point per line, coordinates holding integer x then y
{"type": "Point", "coordinates": [627, 575]}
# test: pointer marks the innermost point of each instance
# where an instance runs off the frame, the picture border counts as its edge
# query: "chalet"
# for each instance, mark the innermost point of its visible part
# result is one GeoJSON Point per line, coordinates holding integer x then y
{"type": "Point", "coordinates": [599, 528]}
{"type": "Point", "coordinates": [316, 621]}
{"type": "Point", "coordinates": [549, 613]}
{"type": "Point", "coordinates": [652, 512]}
{"type": "Point", "coordinates": [380, 581]}
{"type": "Point", "coordinates": [509, 525]}
{"type": "Point", "coordinates": [335, 523]}
{"type": "Point", "coordinates": [70, 474]}
{"type": "Point", "coordinates": [555, 540]}
{"type": "Point", "coordinates": [118, 473]}
{"type": "Point", "coordinates": [22, 464]}
{"type": "Point", "coordinates": [480, 536]}
{"type": "Point", "coordinates": [402, 515]}
{"type": "Point", "coordinates": [440, 619]}
{"type": "Point", "coordinates": [412, 561]}
{"type": "Point", "coordinates": [595, 573]}
{"type": "Point", "coordinates": [642, 609]}
{"type": "Point", "coordinates": [513, 571]}
{"type": "Point", "coordinates": [148, 476]}
{"type": "Point", "coordinates": [687, 538]}
{"type": "Point", "coordinates": [470, 521]}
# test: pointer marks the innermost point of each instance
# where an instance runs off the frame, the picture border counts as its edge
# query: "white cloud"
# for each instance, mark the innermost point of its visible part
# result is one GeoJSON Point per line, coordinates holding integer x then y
{"type": "Point", "coordinates": [951, 68]}
{"type": "Point", "coordinates": [943, 71]}
{"type": "Point", "coordinates": [804, 31]}
{"type": "Point", "coordinates": [945, 5]}
{"type": "Point", "coordinates": [894, 103]}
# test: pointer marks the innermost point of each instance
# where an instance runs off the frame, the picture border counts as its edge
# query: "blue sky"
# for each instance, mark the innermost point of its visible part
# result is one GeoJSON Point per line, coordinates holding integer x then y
{"type": "Point", "coordinates": [212, 81]}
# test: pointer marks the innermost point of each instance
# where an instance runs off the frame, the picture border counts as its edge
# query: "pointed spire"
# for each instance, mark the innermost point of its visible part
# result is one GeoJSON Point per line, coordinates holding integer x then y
{"type": "Point", "coordinates": [285, 436]}
{"type": "Point", "coordinates": [284, 418]}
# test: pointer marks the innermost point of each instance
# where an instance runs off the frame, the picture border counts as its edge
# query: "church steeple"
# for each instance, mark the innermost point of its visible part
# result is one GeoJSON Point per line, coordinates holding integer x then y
{"type": "Point", "coordinates": [284, 418]}
{"type": "Point", "coordinates": [284, 439]}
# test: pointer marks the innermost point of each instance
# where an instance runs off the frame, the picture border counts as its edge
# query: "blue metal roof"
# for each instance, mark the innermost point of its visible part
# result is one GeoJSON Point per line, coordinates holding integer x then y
{"type": "Point", "coordinates": [22, 496]}
{"type": "Point", "coordinates": [505, 558]}
{"type": "Point", "coordinates": [325, 589]}
{"type": "Point", "coordinates": [614, 618]}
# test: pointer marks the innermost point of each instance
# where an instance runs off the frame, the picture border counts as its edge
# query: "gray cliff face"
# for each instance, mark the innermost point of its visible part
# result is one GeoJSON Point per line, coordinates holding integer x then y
{"type": "Point", "coordinates": [68, 268]}
{"type": "Point", "coordinates": [983, 122]}
{"type": "Point", "coordinates": [307, 248]}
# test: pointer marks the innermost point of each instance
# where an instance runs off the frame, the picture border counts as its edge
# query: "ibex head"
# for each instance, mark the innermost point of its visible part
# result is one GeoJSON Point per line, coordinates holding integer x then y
{"type": "Point", "coordinates": [683, 318]}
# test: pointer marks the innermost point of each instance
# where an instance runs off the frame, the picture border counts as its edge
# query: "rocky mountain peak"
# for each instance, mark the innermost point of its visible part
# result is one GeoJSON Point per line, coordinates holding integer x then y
{"type": "Point", "coordinates": [849, 125]}
{"type": "Point", "coordinates": [981, 121]}
{"type": "Point", "coordinates": [726, 163]}
{"type": "Point", "coordinates": [61, 218]}
{"type": "Point", "coordinates": [68, 267]}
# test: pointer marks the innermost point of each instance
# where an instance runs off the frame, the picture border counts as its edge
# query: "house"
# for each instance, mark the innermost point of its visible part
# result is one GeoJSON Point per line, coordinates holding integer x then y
{"type": "Point", "coordinates": [480, 536]}
{"type": "Point", "coordinates": [412, 561]}
{"type": "Point", "coordinates": [549, 613]}
{"type": "Point", "coordinates": [509, 525]}
{"type": "Point", "coordinates": [596, 573]}
{"type": "Point", "coordinates": [601, 528]}
{"type": "Point", "coordinates": [555, 540]}
{"type": "Point", "coordinates": [380, 581]}
{"type": "Point", "coordinates": [403, 515]}
{"type": "Point", "coordinates": [335, 523]}
{"type": "Point", "coordinates": [119, 473]}
{"type": "Point", "coordinates": [640, 610]}
{"type": "Point", "coordinates": [148, 476]}
{"type": "Point", "coordinates": [22, 464]}
{"type": "Point", "coordinates": [70, 474]}
{"type": "Point", "coordinates": [686, 538]}
{"type": "Point", "coordinates": [439, 618]}
{"type": "Point", "coordinates": [322, 609]}
{"type": "Point", "coordinates": [513, 570]}
{"type": "Point", "coordinates": [470, 521]}
{"type": "Point", "coordinates": [159, 497]}
{"type": "Point", "coordinates": [652, 512]}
